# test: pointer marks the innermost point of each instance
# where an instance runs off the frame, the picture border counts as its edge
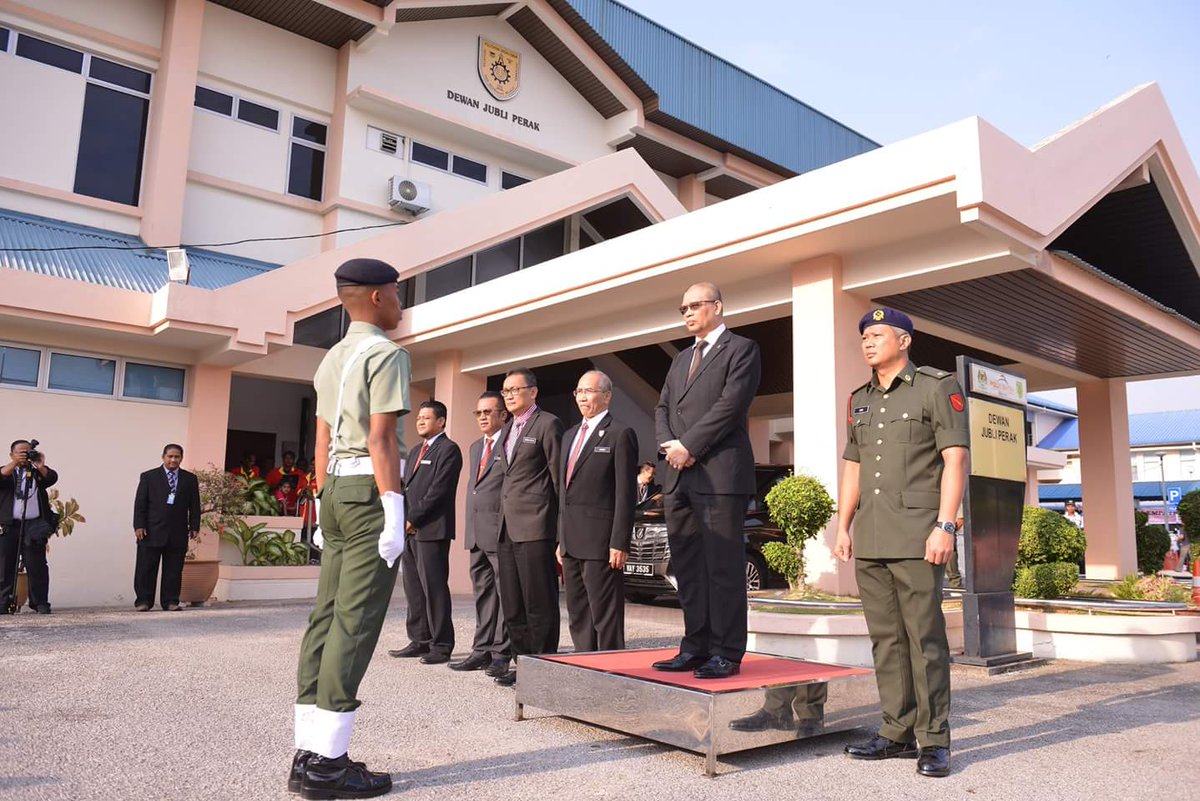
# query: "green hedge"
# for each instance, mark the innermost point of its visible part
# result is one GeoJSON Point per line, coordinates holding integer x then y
{"type": "Point", "coordinates": [1153, 542]}
{"type": "Point", "coordinates": [1047, 537]}
{"type": "Point", "coordinates": [1046, 580]}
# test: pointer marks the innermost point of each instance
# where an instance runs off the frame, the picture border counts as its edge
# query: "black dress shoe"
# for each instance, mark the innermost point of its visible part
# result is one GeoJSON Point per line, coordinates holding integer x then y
{"type": "Point", "coordinates": [43, 609]}
{"type": "Point", "coordinates": [718, 668]}
{"type": "Point", "coordinates": [680, 662]}
{"type": "Point", "coordinates": [409, 651]}
{"type": "Point", "coordinates": [141, 607]}
{"type": "Point", "coordinates": [472, 662]}
{"type": "Point", "coordinates": [341, 778]}
{"type": "Point", "coordinates": [435, 658]}
{"type": "Point", "coordinates": [507, 679]}
{"type": "Point", "coordinates": [498, 667]}
{"type": "Point", "coordinates": [296, 775]}
{"type": "Point", "coordinates": [171, 608]}
{"type": "Point", "coordinates": [763, 720]}
{"type": "Point", "coordinates": [934, 761]}
{"type": "Point", "coordinates": [879, 747]}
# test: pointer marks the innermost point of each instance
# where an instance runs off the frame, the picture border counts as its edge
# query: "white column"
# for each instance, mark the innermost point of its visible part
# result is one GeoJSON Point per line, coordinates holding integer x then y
{"type": "Point", "coordinates": [1107, 479]}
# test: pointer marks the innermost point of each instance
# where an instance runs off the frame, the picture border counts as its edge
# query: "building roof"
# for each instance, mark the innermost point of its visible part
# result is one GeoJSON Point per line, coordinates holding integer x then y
{"type": "Point", "coordinates": [108, 258]}
{"type": "Point", "coordinates": [1142, 491]}
{"type": "Point", "coordinates": [1042, 403]}
{"type": "Point", "coordinates": [1151, 428]}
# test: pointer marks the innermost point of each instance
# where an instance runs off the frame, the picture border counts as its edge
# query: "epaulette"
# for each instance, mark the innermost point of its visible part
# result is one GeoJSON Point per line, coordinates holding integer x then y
{"type": "Point", "coordinates": [859, 388]}
{"type": "Point", "coordinates": [936, 373]}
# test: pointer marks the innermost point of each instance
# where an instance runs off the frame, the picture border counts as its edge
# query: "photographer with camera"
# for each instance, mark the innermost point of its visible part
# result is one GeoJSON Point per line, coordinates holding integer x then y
{"type": "Point", "coordinates": [26, 525]}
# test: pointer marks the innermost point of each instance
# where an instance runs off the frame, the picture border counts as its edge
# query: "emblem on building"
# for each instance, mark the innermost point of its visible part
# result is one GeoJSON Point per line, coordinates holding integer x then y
{"type": "Point", "coordinates": [499, 69]}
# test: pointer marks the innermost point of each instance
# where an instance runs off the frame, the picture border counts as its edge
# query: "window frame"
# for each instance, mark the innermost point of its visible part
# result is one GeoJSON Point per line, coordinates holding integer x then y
{"type": "Point", "coordinates": [118, 394]}
{"type": "Point", "coordinates": [520, 178]}
{"type": "Point", "coordinates": [117, 373]}
{"type": "Point", "coordinates": [233, 112]}
{"type": "Point", "coordinates": [42, 371]}
{"type": "Point", "coordinates": [293, 141]}
{"type": "Point", "coordinates": [450, 157]}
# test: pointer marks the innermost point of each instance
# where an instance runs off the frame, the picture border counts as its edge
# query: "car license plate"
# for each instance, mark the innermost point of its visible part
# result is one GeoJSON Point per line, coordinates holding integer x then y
{"type": "Point", "coordinates": [638, 569]}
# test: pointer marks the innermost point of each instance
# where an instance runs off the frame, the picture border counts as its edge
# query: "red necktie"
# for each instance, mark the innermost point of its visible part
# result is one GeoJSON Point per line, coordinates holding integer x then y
{"type": "Point", "coordinates": [421, 455]}
{"type": "Point", "coordinates": [697, 356]}
{"type": "Point", "coordinates": [575, 451]}
{"type": "Point", "coordinates": [487, 454]}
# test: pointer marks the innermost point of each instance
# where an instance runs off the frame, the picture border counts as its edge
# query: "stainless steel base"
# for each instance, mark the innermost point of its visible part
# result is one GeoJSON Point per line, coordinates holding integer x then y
{"type": "Point", "coordinates": [695, 720]}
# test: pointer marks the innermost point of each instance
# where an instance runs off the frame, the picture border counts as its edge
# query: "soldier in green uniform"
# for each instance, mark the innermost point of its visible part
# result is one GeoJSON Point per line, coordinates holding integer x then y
{"type": "Point", "coordinates": [902, 483]}
{"type": "Point", "coordinates": [362, 392]}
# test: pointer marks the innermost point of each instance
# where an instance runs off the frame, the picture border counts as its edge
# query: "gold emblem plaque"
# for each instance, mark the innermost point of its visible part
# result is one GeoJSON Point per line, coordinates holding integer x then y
{"type": "Point", "coordinates": [499, 69]}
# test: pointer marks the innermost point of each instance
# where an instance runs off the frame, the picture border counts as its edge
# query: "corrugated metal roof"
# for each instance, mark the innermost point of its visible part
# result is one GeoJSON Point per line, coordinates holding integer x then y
{"type": "Point", "coordinates": [1150, 428]}
{"type": "Point", "coordinates": [1142, 491]}
{"type": "Point", "coordinates": [701, 90]}
{"type": "Point", "coordinates": [1034, 400]}
{"type": "Point", "coordinates": [142, 270]}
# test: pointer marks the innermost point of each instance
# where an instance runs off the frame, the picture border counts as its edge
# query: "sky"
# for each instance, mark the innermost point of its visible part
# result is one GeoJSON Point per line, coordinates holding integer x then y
{"type": "Point", "coordinates": [891, 70]}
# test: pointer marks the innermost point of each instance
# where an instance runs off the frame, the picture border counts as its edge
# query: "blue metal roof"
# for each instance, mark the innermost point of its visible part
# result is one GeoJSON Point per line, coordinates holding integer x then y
{"type": "Point", "coordinates": [1034, 400]}
{"type": "Point", "coordinates": [109, 258]}
{"type": "Point", "coordinates": [702, 90]}
{"type": "Point", "coordinates": [1152, 428]}
{"type": "Point", "coordinates": [1142, 490]}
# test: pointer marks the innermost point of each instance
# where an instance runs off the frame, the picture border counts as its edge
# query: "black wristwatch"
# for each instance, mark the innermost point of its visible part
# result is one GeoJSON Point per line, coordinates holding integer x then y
{"type": "Point", "coordinates": [947, 527]}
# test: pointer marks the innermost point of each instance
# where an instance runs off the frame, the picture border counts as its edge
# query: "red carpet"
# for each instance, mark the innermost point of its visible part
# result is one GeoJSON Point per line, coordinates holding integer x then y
{"type": "Point", "coordinates": [758, 670]}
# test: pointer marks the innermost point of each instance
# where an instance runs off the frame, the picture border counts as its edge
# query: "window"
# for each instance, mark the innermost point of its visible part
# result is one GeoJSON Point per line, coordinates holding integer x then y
{"type": "Point", "coordinates": [497, 261]}
{"type": "Point", "coordinates": [153, 382]}
{"type": "Point", "coordinates": [430, 156]}
{"type": "Point", "coordinates": [49, 53]}
{"type": "Point", "coordinates": [544, 244]}
{"type": "Point", "coordinates": [19, 366]}
{"type": "Point", "coordinates": [3, 40]}
{"type": "Point", "coordinates": [448, 278]}
{"type": "Point", "coordinates": [119, 75]}
{"type": "Point", "coordinates": [470, 169]}
{"type": "Point", "coordinates": [112, 141]}
{"type": "Point", "coordinates": [1133, 468]}
{"type": "Point", "coordinates": [214, 101]}
{"type": "Point", "coordinates": [82, 373]}
{"type": "Point", "coordinates": [510, 181]}
{"type": "Point", "coordinates": [306, 163]}
{"type": "Point", "coordinates": [255, 114]}
{"type": "Point", "coordinates": [1187, 466]}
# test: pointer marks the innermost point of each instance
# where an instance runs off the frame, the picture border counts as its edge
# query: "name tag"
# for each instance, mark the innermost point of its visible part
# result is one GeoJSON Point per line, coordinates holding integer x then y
{"type": "Point", "coordinates": [171, 499]}
{"type": "Point", "coordinates": [862, 409]}
{"type": "Point", "coordinates": [605, 449]}
{"type": "Point", "coordinates": [529, 440]}
{"type": "Point", "coordinates": [426, 461]}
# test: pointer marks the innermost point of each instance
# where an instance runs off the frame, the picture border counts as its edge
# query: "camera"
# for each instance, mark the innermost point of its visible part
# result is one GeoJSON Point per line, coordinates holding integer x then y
{"type": "Point", "coordinates": [33, 454]}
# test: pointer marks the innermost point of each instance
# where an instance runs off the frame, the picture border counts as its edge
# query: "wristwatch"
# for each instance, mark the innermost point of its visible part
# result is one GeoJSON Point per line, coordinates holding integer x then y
{"type": "Point", "coordinates": [947, 527]}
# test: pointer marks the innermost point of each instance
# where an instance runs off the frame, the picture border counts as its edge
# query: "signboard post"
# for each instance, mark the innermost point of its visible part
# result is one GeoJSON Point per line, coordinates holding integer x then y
{"type": "Point", "coordinates": [993, 504]}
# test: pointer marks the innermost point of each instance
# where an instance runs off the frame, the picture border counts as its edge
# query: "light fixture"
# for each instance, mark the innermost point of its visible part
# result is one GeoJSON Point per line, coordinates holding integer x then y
{"type": "Point", "coordinates": [178, 270]}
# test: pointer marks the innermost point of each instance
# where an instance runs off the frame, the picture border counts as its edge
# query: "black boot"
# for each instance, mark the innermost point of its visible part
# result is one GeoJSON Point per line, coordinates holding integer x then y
{"type": "Point", "coordinates": [296, 775]}
{"type": "Point", "coordinates": [341, 778]}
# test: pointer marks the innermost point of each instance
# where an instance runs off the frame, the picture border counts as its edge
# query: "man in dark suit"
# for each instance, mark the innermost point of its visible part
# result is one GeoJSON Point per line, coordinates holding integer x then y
{"type": "Point", "coordinates": [166, 512]}
{"type": "Point", "coordinates": [596, 518]}
{"type": "Point", "coordinates": [490, 650]}
{"type": "Point", "coordinates": [25, 526]}
{"type": "Point", "coordinates": [646, 488]}
{"type": "Point", "coordinates": [529, 521]}
{"type": "Point", "coordinates": [431, 487]}
{"type": "Point", "coordinates": [701, 423]}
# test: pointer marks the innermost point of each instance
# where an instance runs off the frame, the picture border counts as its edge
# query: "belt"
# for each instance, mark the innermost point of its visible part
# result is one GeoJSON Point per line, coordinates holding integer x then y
{"type": "Point", "coordinates": [354, 466]}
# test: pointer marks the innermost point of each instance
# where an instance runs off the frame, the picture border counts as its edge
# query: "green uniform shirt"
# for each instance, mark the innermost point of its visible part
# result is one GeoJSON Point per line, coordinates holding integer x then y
{"type": "Point", "coordinates": [378, 383]}
{"type": "Point", "coordinates": [897, 434]}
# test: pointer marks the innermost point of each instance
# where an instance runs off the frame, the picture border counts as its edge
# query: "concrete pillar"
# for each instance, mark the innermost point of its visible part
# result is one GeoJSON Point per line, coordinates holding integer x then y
{"type": "Point", "coordinates": [335, 149]}
{"type": "Point", "coordinates": [827, 364]}
{"type": "Point", "coordinates": [760, 439]}
{"type": "Point", "coordinates": [459, 391]}
{"type": "Point", "coordinates": [691, 192]}
{"type": "Point", "coordinates": [169, 137]}
{"type": "Point", "coordinates": [208, 428]}
{"type": "Point", "coordinates": [1107, 479]}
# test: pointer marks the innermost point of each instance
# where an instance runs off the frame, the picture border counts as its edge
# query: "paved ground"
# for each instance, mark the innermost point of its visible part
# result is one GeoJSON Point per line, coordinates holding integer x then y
{"type": "Point", "coordinates": [197, 705]}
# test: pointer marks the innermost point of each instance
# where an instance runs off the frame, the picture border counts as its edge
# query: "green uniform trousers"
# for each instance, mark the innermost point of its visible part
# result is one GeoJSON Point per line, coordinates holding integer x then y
{"type": "Point", "coordinates": [353, 594]}
{"type": "Point", "coordinates": [902, 601]}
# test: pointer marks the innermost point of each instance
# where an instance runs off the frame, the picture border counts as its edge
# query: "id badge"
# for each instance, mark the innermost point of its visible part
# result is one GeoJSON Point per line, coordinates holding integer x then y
{"type": "Point", "coordinates": [171, 499]}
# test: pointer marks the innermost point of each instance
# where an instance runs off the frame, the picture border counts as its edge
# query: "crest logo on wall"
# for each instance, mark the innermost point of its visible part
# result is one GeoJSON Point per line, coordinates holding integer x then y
{"type": "Point", "coordinates": [499, 69]}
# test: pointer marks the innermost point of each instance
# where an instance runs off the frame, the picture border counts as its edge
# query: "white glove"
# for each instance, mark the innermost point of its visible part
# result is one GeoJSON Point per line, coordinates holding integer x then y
{"type": "Point", "coordinates": [391, 540]}
{"type": "Point", "coordinates": [318, 539]}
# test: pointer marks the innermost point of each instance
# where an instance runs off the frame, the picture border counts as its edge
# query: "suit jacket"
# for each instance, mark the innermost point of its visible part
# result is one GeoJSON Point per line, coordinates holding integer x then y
{"type": "Point", "coordinates": [529, 499]}
{"type": "Point", "coordinates": [167, 525]}
{"type": "Point", "coordinates": [652, 489]}
{"type": "Point", "coordinates": [8, 491]}
{"type": "Point", "coordinates": [431, 487]}
{"type": "Point", "coordinates": [483, 498]}
{"type": "Point", "coordinates": [710, 416]}
{"type": "Point", "coordinates": [597, 506]}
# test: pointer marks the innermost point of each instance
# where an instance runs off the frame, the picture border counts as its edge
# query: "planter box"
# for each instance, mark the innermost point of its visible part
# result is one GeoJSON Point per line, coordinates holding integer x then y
{"type": "Point", "coordinates": [836, 639]}
{"type": "Point", "coordinates": [1113, 638]}
{"type": "Point", "coordinates": [240, 583]}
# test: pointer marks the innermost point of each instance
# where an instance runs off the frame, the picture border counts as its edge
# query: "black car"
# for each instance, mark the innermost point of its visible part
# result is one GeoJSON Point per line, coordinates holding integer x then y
{"type": "Point", "coordinates": [648, 571]}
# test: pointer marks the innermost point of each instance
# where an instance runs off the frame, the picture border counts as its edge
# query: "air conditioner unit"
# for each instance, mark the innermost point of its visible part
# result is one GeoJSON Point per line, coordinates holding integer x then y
{"type": "Point", "coordinates": [409, 195]}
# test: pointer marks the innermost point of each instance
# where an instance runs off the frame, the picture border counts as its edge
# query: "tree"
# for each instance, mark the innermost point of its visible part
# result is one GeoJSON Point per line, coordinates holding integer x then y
{"type": "Point", "coordinates": [801, 507]}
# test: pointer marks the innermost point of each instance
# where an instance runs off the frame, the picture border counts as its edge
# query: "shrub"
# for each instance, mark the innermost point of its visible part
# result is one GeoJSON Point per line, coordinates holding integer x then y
{"type": "Point", "coordinates": [1189, 513]}
{"type": "Point", "coordinates": [262, 548]}
{"type": "Point", "coordinates": [1048, 537]}
{"type": "Point", "coordinates": [1151, 588]}
{"type": "Point", "coordinates": [1046, 580]}
{"type": "Point", "coordinates": [1153, 542]}
{"type": "Point", "coordinates": [801, 507]}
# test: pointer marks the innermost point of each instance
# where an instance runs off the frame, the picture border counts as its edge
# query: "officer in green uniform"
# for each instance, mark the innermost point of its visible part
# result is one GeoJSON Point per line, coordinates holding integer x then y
{"type": "Point", "coordinates": [362, 392]}
{"type": "Point", "coordinates": [902, 483]}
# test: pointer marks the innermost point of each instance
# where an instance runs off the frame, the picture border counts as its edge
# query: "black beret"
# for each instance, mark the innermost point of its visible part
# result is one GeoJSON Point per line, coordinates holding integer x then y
{"type": "Point", "coordinates": [886, 316]}
{"type": "Point", "coordinates": [366, 272]}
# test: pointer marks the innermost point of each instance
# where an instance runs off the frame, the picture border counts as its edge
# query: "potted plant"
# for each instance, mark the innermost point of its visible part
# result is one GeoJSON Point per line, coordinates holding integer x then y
{"type": "Point", "coordinates": [801, 507]}
{"type": "Point", "coordinates": [261, 548]}
{"type": "Point", "coordinates": [221, 500]}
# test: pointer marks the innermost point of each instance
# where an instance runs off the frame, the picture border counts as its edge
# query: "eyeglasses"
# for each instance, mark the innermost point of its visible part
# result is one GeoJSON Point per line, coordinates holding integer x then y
{"type": "Point", "coordinates": [588, 391]}
{"type": "Point", "coordinates": [508, 393]}
{"type": "Point", "coordinates": [485, 412]}
{"type": "Point", "coordinates": [694, 306]}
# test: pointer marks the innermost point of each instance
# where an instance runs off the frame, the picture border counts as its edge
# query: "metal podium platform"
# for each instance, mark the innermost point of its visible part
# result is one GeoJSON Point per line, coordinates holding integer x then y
{"type": "Point", "coordinates": [619, 690]}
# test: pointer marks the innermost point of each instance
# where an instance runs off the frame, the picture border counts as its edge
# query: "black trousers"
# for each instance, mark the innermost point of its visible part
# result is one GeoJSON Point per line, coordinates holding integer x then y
{"type": "Point", "coordinates": [491, 635]}
{"type": "Point", "coordinates": [425, 568]}
{"type": "Point", "coordinates": [708, 556]}
{"type": "Point", "coordinates": [12, 551]}
{"type": "Point", "coordinates": [145, 574]}
{"type": "Point", "coordinates": [529, 595]}
{"type": "Point", "coordinates": [595, 604]}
